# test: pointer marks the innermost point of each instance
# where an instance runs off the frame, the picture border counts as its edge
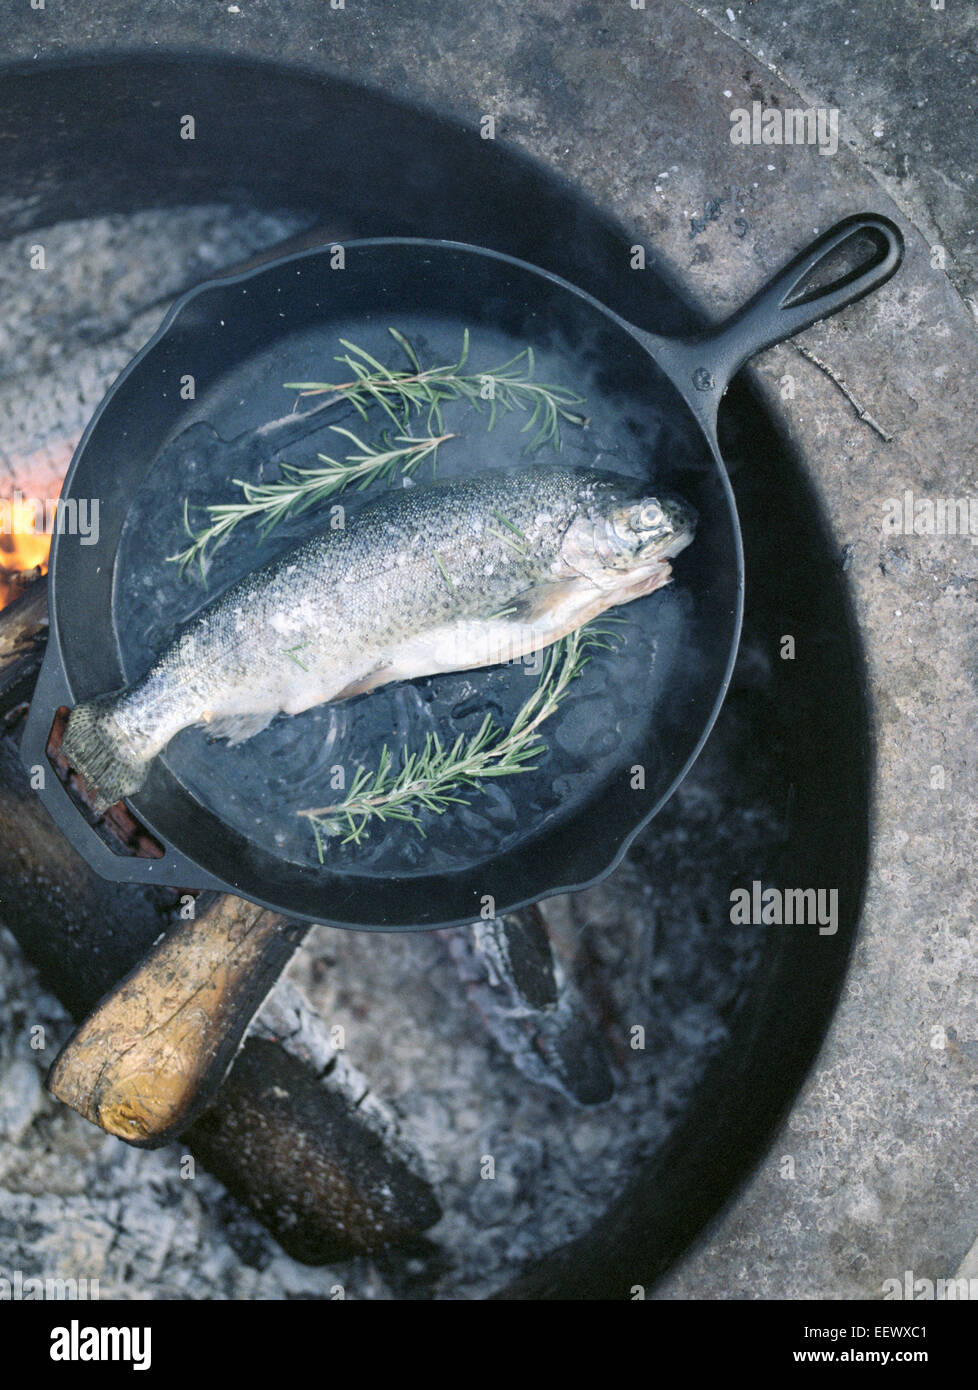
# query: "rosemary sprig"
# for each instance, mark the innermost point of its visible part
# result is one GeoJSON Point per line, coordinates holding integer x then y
{"type": "Point", "coordinates": [403, 393]}
{"type": "Point", "coordinates": [431, 780]}
{"type": "Point", "coordinates": [299, 488]}
{"type": "Point", "coordinates": [399, 394]}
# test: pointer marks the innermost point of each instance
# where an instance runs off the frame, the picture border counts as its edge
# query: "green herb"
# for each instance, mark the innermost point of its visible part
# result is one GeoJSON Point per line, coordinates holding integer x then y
{"type": "Point", "coordinates": [510, 526]}
{"type": "Point", "coordinates": [299, 488]}
{"type": "Point", "coordinates": [431, 780]}
{"type": "Point", "coordinates": [518, 545]}
{"type": "Point", "coordinates": [399, 394]}
{"type": "Point", "coordinates": [402, 393]}
{"type": "Point", "coordinates": [444, 573]}
{"type": "Point", "coordinates": [290, 652]}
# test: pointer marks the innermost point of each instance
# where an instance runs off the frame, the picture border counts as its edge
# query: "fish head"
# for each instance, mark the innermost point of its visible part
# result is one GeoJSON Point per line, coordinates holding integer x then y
{"type": "Point", "coordinates": [615, 538]}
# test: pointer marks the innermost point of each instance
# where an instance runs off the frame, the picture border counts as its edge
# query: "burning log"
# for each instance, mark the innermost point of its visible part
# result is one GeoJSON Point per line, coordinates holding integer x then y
{"type": "Point", "coordinates": [531, 1007]}
{"type": "Point", "coordinates": [281, 1131]}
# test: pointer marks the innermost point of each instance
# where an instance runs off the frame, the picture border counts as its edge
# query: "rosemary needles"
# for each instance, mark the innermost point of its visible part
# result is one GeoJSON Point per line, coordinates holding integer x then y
{"type": "Point", "coordinates": [431, 779]}
{"type": "Point", "coordinates": [299, 488]}
{"type": "Point", "coordinates": [401, 395]}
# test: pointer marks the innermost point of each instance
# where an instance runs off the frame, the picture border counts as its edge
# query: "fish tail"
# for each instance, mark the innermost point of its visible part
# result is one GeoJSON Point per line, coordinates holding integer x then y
{"type": "Point", "coordinates": [107, 758]}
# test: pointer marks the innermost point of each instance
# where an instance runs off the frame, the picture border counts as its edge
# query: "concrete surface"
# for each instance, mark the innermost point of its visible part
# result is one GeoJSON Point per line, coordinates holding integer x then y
{"type": "Point", "coordinates": [883, 1142]}
{"type": "Point", "coordinates": [906, 79]}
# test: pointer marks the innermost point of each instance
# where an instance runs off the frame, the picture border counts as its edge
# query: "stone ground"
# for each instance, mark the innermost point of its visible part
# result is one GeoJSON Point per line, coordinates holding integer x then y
{"type": "Point", "coordinates": [883, 1140]}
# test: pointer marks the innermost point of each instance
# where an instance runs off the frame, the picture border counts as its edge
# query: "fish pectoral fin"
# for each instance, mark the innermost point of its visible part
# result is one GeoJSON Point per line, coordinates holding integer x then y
{"type": "Point", "coordinates": [540, 603]}
{"type": "Point", "coordinates": [377, 675]}
{"type": "Point", "coordinates": [238, 727]}
{"type": "Point", "coordinates": [548, 612]}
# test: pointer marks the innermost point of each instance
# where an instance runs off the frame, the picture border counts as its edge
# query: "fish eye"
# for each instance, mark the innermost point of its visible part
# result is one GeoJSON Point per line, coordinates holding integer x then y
{"type": "Point", "coordinates": [651, 515]}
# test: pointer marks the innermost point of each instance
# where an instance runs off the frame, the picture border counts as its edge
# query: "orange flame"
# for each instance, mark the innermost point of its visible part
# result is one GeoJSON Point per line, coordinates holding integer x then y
{"type": "Point", "coordinates": [22, 551]}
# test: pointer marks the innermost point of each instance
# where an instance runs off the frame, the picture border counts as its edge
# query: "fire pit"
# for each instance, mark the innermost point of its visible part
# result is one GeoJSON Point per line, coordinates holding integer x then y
{"type": "Point", "coordinates": [672, 1005]}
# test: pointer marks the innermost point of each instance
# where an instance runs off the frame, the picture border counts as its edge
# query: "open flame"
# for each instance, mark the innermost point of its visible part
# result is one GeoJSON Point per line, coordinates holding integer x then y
{"type": "Point", "coordinates": [24, 546]}
{"type": "Point", "coordinates": [20, 556]}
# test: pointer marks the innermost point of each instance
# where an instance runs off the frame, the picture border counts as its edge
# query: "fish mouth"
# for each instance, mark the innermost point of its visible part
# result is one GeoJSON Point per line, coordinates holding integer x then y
{"type": "Point", "coordinates": [672, 524]}
{"type": "Point", "coordinates": [680, 540]}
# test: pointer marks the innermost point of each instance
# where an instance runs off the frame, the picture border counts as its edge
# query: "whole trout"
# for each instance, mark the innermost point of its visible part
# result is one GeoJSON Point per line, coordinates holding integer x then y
{"type": "Point", "coordinates": [445, 577]}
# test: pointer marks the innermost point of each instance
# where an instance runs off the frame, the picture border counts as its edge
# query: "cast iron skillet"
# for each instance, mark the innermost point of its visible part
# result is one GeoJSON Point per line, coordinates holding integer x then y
{"type": "Point", "coordinates": [617, 751]}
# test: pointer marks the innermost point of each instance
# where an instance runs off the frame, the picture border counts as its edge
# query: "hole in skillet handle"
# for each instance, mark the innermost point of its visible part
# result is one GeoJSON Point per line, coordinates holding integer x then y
{"type": "Point", "coordinates": [116, 827]}
{"type": "Point", "coordinates": [862, 251]}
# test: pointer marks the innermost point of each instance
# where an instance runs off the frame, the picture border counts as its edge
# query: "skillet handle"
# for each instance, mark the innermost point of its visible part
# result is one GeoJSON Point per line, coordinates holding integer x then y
{"type": "Point", "coordinates": [703, 367]}
{"type": "Point", "coordinates": [783, 307]}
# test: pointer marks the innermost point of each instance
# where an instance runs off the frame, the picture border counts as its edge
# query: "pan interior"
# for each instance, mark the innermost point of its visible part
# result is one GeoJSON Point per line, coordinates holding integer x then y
{"type": "Point", "coordinates": [643, 705]}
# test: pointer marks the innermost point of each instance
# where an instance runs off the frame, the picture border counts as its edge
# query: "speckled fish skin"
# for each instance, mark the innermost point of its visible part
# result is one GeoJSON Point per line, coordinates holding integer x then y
{"type": "Point", "coordinates": [449, 576]}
